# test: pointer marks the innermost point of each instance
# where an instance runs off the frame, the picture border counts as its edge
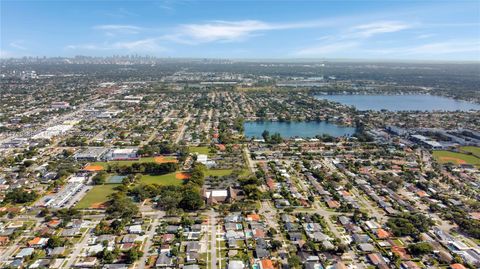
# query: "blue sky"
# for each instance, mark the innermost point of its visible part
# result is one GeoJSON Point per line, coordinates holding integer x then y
{"type": "Point", "coordinates": [381, 29]}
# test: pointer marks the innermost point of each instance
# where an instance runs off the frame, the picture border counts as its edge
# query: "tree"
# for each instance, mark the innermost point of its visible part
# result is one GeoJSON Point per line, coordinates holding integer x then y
{"type": "Point", "coordinates": [276, 244]}
{"type": "Point", "coordinates": [99, 178]}
{"type": "Point", "coordinates": [20, 196]}
{"type": "Point", "coordinates": [197, 175]}
{"type": "Point", "coordinates": [266, 135]}
{"type": "Point", "coordinates": [342, 248]}
{"type": "Point", "coordinates": [420, 248]}
{"type": "Point", "coordinates": [294, 261]}
{"type": "Point", "coordinates": [55, 241]}
{"type": "Point", "coordinates": [133, 255]}
{"type": "Point", "coordinates": [192, 200]}
{"type": "Point", "coordinates": [409, 224]}
{"type": "Point", "coordinates": [121, 206]}
{"type": "Point", "coordinates": [276, 138]}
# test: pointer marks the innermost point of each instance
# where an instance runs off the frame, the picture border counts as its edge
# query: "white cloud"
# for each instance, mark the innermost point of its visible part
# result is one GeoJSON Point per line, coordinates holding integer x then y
{"type": "Point", "coordinates": [424, 36]}
{"type": "Point", "coordinates": [18, 44]}
{"type": "Point", "coordinates": [228, 31]}
{"type": "Point", "coordinates": [381, 27]}
{"type": "Point", "coordinates": [149, 44]}
{"type": "Point", "coordinates": [119, 13]}
{"type": "Point", "coordinates": [222, 30]}
{"type": "Point", "coordinates": [351, 38]}
{"type": "Point", "coordinates": [112, 29]}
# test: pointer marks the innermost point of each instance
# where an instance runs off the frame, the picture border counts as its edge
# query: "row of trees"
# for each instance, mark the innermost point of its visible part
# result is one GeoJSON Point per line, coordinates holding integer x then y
{"type": "Point", "coordinates": [275, 138]}
{"type": "Point", "coordinates": [408, 224]}
{"type": "Point", "coordinates": [20, 196]}
{"type": "Point", "coordinates": [144, 168]}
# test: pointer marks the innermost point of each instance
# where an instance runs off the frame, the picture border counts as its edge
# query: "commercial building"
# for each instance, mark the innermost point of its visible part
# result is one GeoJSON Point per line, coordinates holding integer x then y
{"type": "Point", "coordinates": [91, 154]}
{"type": "Point", "coordinates": [123, 154]}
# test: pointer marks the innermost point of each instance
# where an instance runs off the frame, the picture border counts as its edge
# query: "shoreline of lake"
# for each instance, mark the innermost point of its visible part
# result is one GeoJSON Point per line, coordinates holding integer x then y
{"type": "Point", "coordinates": [400, 102]}
{"type": "Point", "coordinates": [292, 129]}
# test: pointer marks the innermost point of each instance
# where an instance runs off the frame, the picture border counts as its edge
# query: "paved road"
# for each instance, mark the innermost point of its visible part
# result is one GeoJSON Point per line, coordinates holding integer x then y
{"type": "Point", "coordinates": [270, 214]}
{"type": "Point", "coordinates": [150, 234]}
{"type": "Point", "coordinates": [372, 208]}
{"type": "Point", "coordinates": [317, 208]}
{"type": "Point", "coordinates": [182, 129]}
{"type": "Point", "coordinates": [213, 238]}
{"type": "Point", "coordinates": [77, 250]}
{"type": "Point", "coordinates": [250, 163]}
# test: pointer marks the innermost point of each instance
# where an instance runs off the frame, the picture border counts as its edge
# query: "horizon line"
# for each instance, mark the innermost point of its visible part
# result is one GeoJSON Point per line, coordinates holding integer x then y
{"type": "Point", "coordinates": [254, 59]}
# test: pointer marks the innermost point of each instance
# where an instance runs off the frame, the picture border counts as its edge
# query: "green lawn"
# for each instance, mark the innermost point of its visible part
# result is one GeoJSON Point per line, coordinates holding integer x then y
{"type": "Point", "coordinates": [218, 172]}
{"type": "Point", "coordinates": [98, 194]}
{"type": "Point", "coordinates": [163, 180]}
{"type": "Point", "coordinates": [245, 172]}
{"type": "Point", "coordinates": [199, 150]}
{"type": "Point", "coordinates": [141, 160]}
{"type": "Point", "coordinates": [444, 156]}
{"type": "Point", "coordinates": [471, 149]}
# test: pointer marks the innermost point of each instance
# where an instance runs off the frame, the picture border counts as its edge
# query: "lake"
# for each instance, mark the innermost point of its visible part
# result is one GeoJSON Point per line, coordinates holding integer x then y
{"type": "Point", "coordinates": [294, 129]}
{"type": "Point", "coordinates": [401, 102]}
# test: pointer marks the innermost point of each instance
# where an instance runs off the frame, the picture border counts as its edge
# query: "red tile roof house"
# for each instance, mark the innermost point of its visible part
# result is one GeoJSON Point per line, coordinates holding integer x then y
{"type": "Point", "coordinates": [457, 266]}
{"type": "Point", "coordinates": [4, 240]}
{"type": "Point", "coordinates": [333, 204]}
{"type": "Point", "coordinates": [382, 234]}
{"type": "Point", "coordinates": [38, 242]}
{"type": "Point", "coordinates": [53, 223]}
{"type": "Point", "coordinates": [267, 264]}
{"type": "Point", "coordinates": [253, 217]}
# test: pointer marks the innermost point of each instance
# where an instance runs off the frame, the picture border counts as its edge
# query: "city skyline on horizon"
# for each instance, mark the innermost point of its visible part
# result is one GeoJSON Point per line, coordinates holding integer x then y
{"type": "Point", "coordinates": [362, 30]}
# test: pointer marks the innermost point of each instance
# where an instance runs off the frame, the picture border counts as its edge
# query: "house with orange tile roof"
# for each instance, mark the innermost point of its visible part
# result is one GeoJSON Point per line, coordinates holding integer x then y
{"type": "Point", "coordinates": [37, 242]}
{"type": "Point", "coordinates": [457, 266]}
{"type": "Point", "coordinates": [422, 194]}
{"type": "Point", "coordinates": [401, 252]}
{"type": "Point", "coordinates": [266, 264]}
{"type": "Point", "coordinates": [4, 240]}
{"type": "Point", "coordinates": [259, 233]}
{"type": "Point", "coordinates": [382, 234]}
{"type": "Point", "coordinates": [271, 184]}
{"type": "Point", "coordinates": [53, 223]}
{"type": "Point", "coordinates": [333, 204]}
{"type": "Point", "coordinates": [253, 217]}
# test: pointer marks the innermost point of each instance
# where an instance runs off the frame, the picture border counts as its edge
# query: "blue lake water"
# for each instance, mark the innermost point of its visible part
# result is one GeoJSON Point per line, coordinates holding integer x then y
{"type": "Point", "coordinates": [294, 129]}
{"type": "Point", "coordinates": [401, 102]}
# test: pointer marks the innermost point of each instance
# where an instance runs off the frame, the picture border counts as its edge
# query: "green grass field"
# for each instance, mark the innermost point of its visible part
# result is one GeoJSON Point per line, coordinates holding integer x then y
{"type": "Point", "coordinates": [141, 160]}
{"type": "Point", "coordinates": [97, 195]}
{"type": "Point", "coordinates": [163, 180]}
{"type": "Point", "coordinates": [471, 149]}
{"type": "Point", "coordinates": [218, 172]}
{"type": "Point", "coordinates": [444, 156]}
{"type": "Point", "coordinates": [199, 150]}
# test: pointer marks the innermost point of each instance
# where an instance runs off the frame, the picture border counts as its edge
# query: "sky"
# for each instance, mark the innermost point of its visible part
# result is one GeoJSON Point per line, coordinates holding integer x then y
{"type": "Point", "coordinates": [328, 29]}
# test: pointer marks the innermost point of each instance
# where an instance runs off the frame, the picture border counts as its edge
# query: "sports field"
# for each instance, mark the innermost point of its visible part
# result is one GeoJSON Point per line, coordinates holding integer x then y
{"type": "Point", "coordinates": [444, 156]}
{"type": "Point", "coordinates": [218, 172]}
{"type": "Point", "coordinates": [199, 150]}
{"type": "Point", "coordinates": [97, 196]}
{"type": "Point", "coordinates": [157, 159]}
{"type": "Point", "coordinates": [175, 178]}
{"type": "Point", "coordinates": [474, 150]}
